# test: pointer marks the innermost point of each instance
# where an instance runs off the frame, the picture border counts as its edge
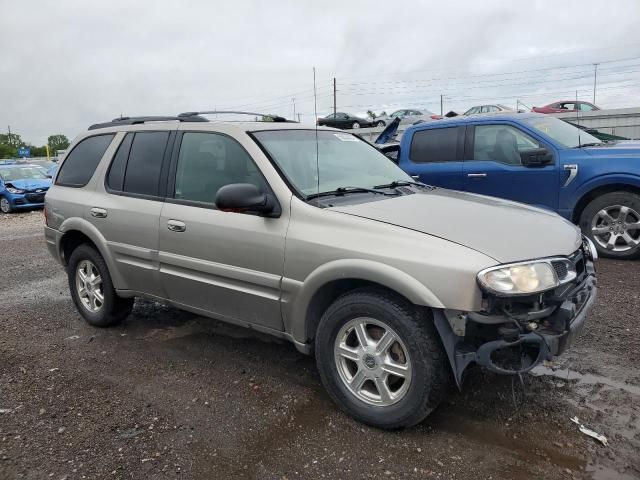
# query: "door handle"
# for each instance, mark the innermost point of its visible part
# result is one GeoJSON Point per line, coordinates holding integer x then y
{"type": "Point", "coordinates": [476, 175]}
{"type": "Point", "coordinates": [176, 226]}
{"type": "Point", "coordinates": [98, 212]}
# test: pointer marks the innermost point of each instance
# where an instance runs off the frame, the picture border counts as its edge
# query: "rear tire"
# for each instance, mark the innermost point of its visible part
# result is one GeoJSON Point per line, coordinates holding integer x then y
{"type": "Point", "coordinates": [380, 124]}
{"type": "Point", "coordinates": [416, 350]}
{"type": "Point", "coordinates": [355, 125]}
{"type": "Point", "coordinates": [612, 223]}
{"type": "Point", "coordinates": [94, 297]}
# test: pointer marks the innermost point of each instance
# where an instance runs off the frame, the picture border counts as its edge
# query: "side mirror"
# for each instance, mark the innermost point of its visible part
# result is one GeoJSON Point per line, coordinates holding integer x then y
{"type": "Point", "coordinates": [246, 198]}
{"type": "Point", "coordinates": [537, 157]}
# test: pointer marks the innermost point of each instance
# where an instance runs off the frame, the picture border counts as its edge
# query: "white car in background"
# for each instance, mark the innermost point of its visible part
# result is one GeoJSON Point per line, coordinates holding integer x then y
{"type": "Point", "coordinates": [496, 108]}
{"type": "Point", "coordinates": [407, 117]}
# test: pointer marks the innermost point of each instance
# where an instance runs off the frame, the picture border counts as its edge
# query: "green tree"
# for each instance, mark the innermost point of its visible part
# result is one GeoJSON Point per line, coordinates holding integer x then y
{"type": "Point", "coordinates": [371, 114]}
{"type": "Point", "coordinates": [57, 142]}
{"type": "Point", "coordinates": [9, 145]}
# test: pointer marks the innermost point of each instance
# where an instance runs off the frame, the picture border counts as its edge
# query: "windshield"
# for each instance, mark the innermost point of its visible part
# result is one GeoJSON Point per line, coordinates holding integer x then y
{"type": "Point", "coordinates": [343, 160]}
{"type": "Point", "coordinates": [565, 134]}
{"type": "Point", "coordinates": [23, 173]}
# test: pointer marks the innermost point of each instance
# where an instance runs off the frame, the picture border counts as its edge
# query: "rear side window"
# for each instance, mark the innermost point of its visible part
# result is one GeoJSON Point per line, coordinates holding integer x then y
{"type": "Point", "coordinates": [115, 177]}
{"type": "Point", "coordinates": [435, 145]}
{"type": "Point", "coordinates": [79, 166]}
{"type": "Point", "coordinates": [142, 174]}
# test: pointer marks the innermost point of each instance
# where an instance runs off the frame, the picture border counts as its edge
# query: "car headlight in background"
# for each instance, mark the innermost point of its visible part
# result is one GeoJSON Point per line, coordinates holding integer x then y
{"type": "Point", "coordinates": [14, 190]}
{"type": "Point", "coordinates": [526, 278]}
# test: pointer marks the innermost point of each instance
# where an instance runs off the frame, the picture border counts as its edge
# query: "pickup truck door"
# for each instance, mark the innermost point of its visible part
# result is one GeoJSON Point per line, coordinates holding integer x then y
{"type": "Point", "coordinates": [493, 166]}
{"type": "Point", "coordinates": [435, 156]}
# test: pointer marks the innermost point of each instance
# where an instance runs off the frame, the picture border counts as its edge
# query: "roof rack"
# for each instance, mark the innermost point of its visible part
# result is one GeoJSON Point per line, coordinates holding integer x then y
{"type": "Point", "coordinates": [274, 118]}
{"type": "Point", "coordinates": [140, 120]}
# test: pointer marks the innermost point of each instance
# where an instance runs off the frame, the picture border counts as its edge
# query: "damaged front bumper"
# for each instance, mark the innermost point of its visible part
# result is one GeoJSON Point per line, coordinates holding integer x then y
{"type": "Point", "coordinates": [512, 339]}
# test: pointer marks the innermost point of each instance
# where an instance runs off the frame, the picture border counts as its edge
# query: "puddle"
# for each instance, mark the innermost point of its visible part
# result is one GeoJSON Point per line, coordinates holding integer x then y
{"type": "Point", "coordinates": [585, 378]}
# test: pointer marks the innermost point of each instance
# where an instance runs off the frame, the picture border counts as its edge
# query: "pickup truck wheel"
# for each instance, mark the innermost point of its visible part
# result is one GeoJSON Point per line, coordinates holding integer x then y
{"type": "Point", "coordinates": [92, 289]}
{"type": "Point", "coordinates": [612, 222]}
{"type": "Point", "coordinates": [380, 359]}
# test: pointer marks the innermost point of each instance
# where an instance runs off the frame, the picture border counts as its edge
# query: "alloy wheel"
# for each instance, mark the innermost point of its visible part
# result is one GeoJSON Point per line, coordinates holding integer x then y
{"type": "Point", "coordinates": [616, 228]}
{"type": "Point", "coordinates": [5, 207]}
{"type": "Point", "coordinates": [89, 286]}
{"type": "Point", "coordinates": [372, 361]}
{"type": "Point", "coordinates": [355, 125]}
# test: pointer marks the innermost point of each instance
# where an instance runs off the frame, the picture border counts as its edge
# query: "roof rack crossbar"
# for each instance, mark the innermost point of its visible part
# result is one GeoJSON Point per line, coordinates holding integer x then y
{"type": "Point", "coordinates": [275, 118]}
{"type": "Point", "coordinates": [140, 120]}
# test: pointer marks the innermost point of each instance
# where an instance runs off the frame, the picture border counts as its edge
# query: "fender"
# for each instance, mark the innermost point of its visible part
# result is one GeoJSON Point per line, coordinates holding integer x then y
{"type": "Point", "coordinates": [573, 199]}
{"type": "Point", "coordinates": [83, 226]}
{"type": "Point", "coordinates": [298, 295]}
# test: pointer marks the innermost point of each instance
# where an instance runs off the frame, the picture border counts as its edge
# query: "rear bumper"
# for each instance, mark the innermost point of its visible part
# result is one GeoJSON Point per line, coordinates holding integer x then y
{"type": "Point", "coordinates": [53, 238]}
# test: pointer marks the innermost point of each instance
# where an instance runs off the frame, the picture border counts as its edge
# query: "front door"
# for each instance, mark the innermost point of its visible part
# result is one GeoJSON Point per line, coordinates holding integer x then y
{"type": "Point", "coordinates": [494, 166]}
{"type": "Point", "coordinates": [226, 264]}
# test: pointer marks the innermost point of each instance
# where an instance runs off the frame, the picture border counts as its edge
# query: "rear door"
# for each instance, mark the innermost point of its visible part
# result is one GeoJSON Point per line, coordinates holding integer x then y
{"type": "Point", "coordinates": [222, 263]}
{"type": "Point", "coordinates": [435, 156]}
{"type": "Point", "coordinates": [494, 167]}
{"type": "Point", "coordinates": [128, 212]}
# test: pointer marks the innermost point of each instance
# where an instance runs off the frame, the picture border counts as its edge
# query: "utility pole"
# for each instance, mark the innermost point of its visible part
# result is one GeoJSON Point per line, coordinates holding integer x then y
{"type": "Point", "coordinates": [294, 107]}
{"type": "Point", "coordinates": [595, 78]}
{"type": "Point", "coordinates": [441, 109]}
{"type": "Point", "coordinates": [298, 118]}
{"type": "Point", "coordinates": [9, 137]}
{"type": "Point", "coordinates": [334, 95]}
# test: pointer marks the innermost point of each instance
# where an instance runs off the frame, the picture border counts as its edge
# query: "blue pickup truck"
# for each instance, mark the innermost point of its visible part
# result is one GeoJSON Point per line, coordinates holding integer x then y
{"type": "Point", "coordinates": [536, 159]}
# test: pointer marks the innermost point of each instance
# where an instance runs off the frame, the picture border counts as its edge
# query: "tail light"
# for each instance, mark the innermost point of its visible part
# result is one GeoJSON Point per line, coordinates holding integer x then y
{"type": "Point", "coordinates": [436, 117]}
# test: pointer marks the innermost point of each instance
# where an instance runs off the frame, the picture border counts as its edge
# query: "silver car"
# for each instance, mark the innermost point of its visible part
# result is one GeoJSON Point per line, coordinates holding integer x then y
{"type": "Point", "coordinates": [313, 236]}
{"type": "Point", "coordinates": [407, 117]}
{"type": "Point", "coordinates": [496, 108]}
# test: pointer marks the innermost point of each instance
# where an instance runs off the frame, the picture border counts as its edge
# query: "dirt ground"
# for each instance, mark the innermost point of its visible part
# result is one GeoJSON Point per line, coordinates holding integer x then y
{"type": "Point", "coordinates": [171, 395]}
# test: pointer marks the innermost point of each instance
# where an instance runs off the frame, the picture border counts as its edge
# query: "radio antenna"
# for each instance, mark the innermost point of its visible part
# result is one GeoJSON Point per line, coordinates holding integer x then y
{"type": "Point", "coordinates": [315, 113]}
{"type": "Point", "coordinates": [578, 119]}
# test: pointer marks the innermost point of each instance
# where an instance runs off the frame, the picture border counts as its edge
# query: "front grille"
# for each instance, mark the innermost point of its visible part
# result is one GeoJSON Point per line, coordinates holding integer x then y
{"type": "Point", "coordinates": [35, 197]}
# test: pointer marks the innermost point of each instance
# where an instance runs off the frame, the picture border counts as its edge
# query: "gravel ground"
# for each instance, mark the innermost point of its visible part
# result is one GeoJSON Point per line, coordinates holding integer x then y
{"type": "Point", "coordinates": [168, 394]}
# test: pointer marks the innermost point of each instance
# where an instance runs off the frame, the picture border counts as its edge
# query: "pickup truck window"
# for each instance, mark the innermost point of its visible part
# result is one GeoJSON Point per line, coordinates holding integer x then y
{"type": "Point", "coordinates": [435, 145]}
{"type": "Point", "coordinates": [501, 143]}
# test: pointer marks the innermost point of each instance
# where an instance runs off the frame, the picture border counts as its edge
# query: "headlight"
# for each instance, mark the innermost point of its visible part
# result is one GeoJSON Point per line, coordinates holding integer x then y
{"type": "Point", "coordinates": [527, 278]}
{"type": "Point", "coordinates": [14, 190]}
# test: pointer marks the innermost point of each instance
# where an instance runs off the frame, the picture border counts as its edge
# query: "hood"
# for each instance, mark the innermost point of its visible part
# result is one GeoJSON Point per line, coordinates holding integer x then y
{"type": "Point", "coordinates": [30, 184]}
{"type": "Point", "coordinates": [622, 148]}
{"type": "Point", "coordinates": [503, 230]}
{"type": "Point", "coordinates": [388, 133]}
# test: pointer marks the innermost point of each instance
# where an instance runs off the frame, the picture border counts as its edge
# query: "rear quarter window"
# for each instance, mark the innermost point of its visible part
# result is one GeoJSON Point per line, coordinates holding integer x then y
{"type": "Point", "coordinates": [435, 145]}
{"type": "Point", "coordinates": [80, 164]}
{"type": "Point", "coordinates": [142, 176]}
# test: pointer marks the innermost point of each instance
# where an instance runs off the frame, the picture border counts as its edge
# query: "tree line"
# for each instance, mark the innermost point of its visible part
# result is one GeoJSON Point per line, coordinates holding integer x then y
{"type": "Point", "coordinates": [10, 142]}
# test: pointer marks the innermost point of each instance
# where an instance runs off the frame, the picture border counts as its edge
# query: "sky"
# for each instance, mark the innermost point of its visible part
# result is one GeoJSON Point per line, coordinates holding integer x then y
{"type": "Point", "coordinates": [68, 64]}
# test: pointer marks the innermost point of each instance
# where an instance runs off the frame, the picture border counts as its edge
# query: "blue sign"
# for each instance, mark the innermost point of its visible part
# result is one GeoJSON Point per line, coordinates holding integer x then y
{"type": "Point", "coordinates": [24, 152]}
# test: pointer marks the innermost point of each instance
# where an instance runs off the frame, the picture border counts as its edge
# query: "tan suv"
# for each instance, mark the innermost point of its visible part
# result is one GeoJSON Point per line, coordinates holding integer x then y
{"type": "Point", "coordinates": [314, 236]}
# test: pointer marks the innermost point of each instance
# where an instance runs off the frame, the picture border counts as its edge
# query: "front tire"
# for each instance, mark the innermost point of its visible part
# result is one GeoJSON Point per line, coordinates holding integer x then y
{"type": "Point", "coordinates": [5, 205]}
{"type": "Point", "coordinates": [355, 125]}
{"type": "Point", "coordinates": [92, 289]}
{"type": "Point", "coordinates": [380, 359]}
{"type": "Point", "coordinates": [612, 222]}
{"type": "Point", "coordinates": [380, 124]}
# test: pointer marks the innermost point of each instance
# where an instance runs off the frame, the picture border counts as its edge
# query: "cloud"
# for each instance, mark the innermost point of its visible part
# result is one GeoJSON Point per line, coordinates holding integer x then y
{"type": "Point", "coordinates": [68, 64]}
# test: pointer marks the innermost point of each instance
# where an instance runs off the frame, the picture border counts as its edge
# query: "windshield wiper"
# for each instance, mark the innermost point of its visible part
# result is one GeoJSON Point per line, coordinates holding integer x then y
{"type": "Point", "coordinates": [404, 183]}
{"type": "Point", "coordinates": [346, 190]}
